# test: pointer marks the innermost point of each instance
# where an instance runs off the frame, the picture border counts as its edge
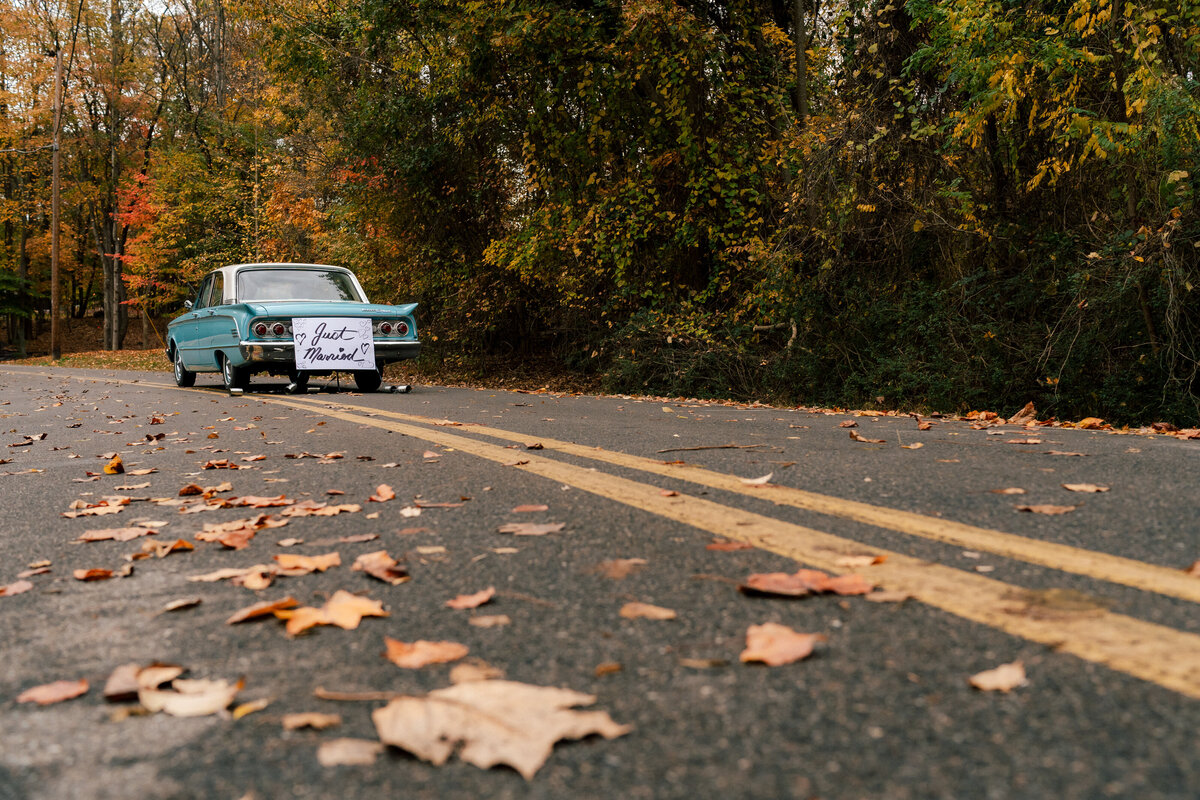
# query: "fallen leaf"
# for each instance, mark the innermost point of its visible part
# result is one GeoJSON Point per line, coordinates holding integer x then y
{"type": "Point", "coordinates": [728, 547]}
{"type": "Point", "coordinates": [1064, 453]}
{"type": "Point", "coordinates": [703, 663]}
{"type": "Point", "coordinates": [430, 454]}
{"type": "Point", "coordinates": [848, 424]}
{"type": "Point", "coordinates": [1026, 414]}
{"type": "Point", "coordinates": [474, 670]}
{"type": "Point", "coordinates": [94, 574]}
{"type": "Point", "coordinates": [310, 719]}
{"type": "Point", "coordinates": [490, 620]}
{"type": "Point", "coordinates": [532, 529]}
{"type": "Point", "coordinates": [1193, 570]}
{"type": "Point", "coordinates": [181, 604]}
{"type": "Point", "coordinates": [253, 707]}
{"type": "Point", "coordinates": [114, 467]}
{"type": "Point", "coordinates": [860, 561]}
{"type": "Point", "coordinates": [619, 568]}
{"type": "Point", "coordinates": [164, 549]}
{"type": "Point", "coordinates": [1024, 441]}
{"type": "Point", "coordinates": [122, 684]}
{"type": "Point", "coordinates": [646, 611]}
{"type": "Point", "coordinates": [1009, 490]}
{"type": "Point", "coordinates": [774, 644]}
{"type": "Point", "coordinates": [1090, 423]}
{"type": "Point", "coordinates": [115, 534]}
{"type": "Point", "coordinates": [344, 610]}
{"type": "Point", "coordinates": [349, 752]}
{"type": "Point", "coordinates": [1046, 509]}
{"type": "Point", "coordinates": [913, 446]}
{"type": "Point", "coordinates": [293, 565]}
{"type": "Point", "coordinates": [383, 493]}
{"type": "Point", "coordinates": [19, 587]}
{"type": "Point", "coordinates": [191, 698]}
{"type": "Point", "coordinates": [422, 653]}
{"type": "Point", "coordinates": [856, 437]}
{"type": "Point", "coordinates": [1084, 487]}
{"type": "Point", "coordinates": [29, 573]}
{"type": "Point", "coordinates": [410, 511]}
{"type": "Point", "coordinates": [803, 582]}
{"type": "Point", "coordinates": [56, 692]}
{"type": "Point", "coordinates": [381, 566]}
{"type": "Point", "coordinates": [668, 493]}
{"type": "Point", "coordinates": [1001, 679]}
{"type": "Point", "coordinates": [607, 668]}
{"type": "Point", "coordinates": [762, 481]}
{"type": "Point", "coordinates": [530, 508]}
{"type": "Point", "coordinates": [464, 601]}
{"type": "Point", "coordinates": [264, 609]}
{"type": "Point", "coordinates": [491, 722]}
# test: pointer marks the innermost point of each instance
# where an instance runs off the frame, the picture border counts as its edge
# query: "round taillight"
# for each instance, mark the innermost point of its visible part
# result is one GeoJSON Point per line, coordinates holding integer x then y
{"type": "Point", "coordinates": [260, 329]}
{"type": "Point", "coordinates": [278, 329]}
{"type": "Point", "coordinates": [402, 328]}
{"type": "Point", "coordinates": [385, 328]}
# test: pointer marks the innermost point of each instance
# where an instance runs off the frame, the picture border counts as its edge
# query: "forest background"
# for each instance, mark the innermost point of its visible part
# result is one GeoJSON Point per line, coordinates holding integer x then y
{"type": "Point", "coordinates": [923, 204]}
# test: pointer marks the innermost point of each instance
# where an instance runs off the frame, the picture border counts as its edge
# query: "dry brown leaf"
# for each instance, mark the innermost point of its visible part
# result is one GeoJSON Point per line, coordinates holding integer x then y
{"type": "Point", "coordinates": [474, 669]}
{"type": "Point", "coordinates": [114, 467]}
{"type": "Point", "coordinates": [491, 722]}
{"type": "Point", "coordinates": [344, 610]}
{"type": "Point", "coordinates": [1023, 441]}
{"type": "Point", "coordinates": [421, 653]}
{"type": "Point", "coordinates": [122, 684]}
{"type": "Point", "coordinates": [668, 493]}
{"type": "Point", "coordinates": [803, 582]}
{"type": "Point", "coordinates": [924, 426]}
{"type": "Point", "coordinates": [619, 568]}
{"type": "Point", "coordinates": [349, 752]}
{"type": "Point", "coordinates": [530, 508]}
{"type": "Point", "coordinates": [1064, 453]}
{"type": "Point", "coordinates": [1194, 569]}
{"type": "Point", "coordinates": [1001, 679]}
{"type": "Point", "coordinates": [253, 707]}
{"type": "Point", "coordinates": [191, 698]}
{"type": "Point", "coordinates": [383, 493]}
{"type": "Point", "coordinates": [310, 719]}
{"type": "Point", "coordinates": [728, 547]}
{"type": "Point", "coordinates": [1046, 508]}
{"type": "Point", "coordinates": [760, 481]}
{"type": "Point", "coordinates": [293, 565]}
{"type": "Point", "coordinates": [848, 424]}
{"type": "Point", "coordinates": [646, 611]}
{"type": "Point", "coordinates": [703, 663]}
{"type": "Point", "coordinates": [464, 601]}
{"type": "Point", "coordinates": [381, 566]}
{"type": "Point", "coordinates": [850, 584]}
{"type": "Point", "coordinates": [266, 608]}
{"type": "Point", "coordinates": [1026, 414]}
{"type": "Point", "coordinates": [774, 644]}
{"type": "Point", "coordinates": [913, 446]}
{"type": "Point", "coordinates": [490, 620]}
{"type": "Point", "coordinates": [860, 561]}
{"type": "Point", "coordinates": [28, 573]}
{"type": "Point", "coordinates": [55, 692]}
{"type": "Point", "coordinates": [164, 549]}
{"type": "Point", "coordinates": [1090, 423]}
{"type": "Point", "coordinates": [94, 574]}
{"type": "Point", "coordinates": [1009, 490]}
{"type": "Point", "coordinates": [431, 454]}
{"type": "Point", "coordinates": [18, 587]}
{"type": "Point", "coordinates": [531, 528]}
{"type": "Point", "coordinates": [155, 675]}
{"type": "Point", "coordinates": [1084, 487]}
{"type": "Point", "coordinates": [181, 604]}
{"type": "Point", "coordinates": [858, 438]}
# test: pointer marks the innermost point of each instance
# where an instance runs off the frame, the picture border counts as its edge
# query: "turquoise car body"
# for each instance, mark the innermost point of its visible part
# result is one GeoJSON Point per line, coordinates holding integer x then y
{"type": "Point", "coordinates": [240, 322]}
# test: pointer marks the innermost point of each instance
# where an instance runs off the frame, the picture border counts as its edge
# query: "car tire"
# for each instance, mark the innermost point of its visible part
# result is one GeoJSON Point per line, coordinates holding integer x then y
{"type": "Point", "coordinates": [368, 380]}
{"type": "Point", "coordinates": [235, 377]}
{"type": "Point", "coordinates": [183, 376]}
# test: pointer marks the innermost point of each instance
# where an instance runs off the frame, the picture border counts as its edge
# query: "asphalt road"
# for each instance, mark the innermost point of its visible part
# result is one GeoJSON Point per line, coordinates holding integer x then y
{"type": "Point", "coordinates": [1094, 602]}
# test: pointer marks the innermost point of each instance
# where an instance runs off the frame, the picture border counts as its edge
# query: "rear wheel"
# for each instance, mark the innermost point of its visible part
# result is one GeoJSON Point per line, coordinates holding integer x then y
{"type": "Point", "coordinates": [235, 377]}
{"type": "Point", "coordinates": [298, 379]}
{"type": "Point", "coordinates": [368, 380]}
{"type": "Point", "coordinates": [183, 376]}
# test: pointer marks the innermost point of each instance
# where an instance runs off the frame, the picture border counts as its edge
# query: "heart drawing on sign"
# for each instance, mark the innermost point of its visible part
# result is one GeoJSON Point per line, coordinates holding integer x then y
{"type": "Point", "coordinates": [299, 338]}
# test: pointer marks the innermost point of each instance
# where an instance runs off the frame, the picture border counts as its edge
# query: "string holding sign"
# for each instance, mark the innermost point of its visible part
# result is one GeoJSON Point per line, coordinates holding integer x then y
{"type": "Point", "coordinates": [331, 343]}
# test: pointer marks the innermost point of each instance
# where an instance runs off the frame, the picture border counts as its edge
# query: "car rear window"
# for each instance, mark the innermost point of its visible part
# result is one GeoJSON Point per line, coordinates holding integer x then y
{"type": "Point", "coordinates": [256, 285]}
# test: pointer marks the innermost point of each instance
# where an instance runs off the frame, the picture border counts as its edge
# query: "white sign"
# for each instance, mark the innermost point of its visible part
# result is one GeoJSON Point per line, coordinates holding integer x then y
{"type": "Point", "coordinates": [327, 343]}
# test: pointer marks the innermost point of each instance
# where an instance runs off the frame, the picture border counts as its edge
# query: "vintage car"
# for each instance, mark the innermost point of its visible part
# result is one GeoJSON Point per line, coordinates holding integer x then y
{"type": "Point", "coordinates": [288, 319]}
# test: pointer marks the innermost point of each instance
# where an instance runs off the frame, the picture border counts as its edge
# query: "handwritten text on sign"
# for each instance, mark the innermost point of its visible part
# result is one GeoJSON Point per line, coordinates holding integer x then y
{"type": "Point", "coordinates": [324, 343]}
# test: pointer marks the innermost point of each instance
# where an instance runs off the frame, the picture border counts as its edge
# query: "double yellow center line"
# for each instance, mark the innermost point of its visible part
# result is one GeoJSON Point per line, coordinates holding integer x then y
{"type": "Point", "coordinates": [1165, 656]}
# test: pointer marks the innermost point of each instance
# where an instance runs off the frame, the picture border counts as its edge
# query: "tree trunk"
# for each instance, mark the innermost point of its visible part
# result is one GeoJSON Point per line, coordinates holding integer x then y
{"type": "Point", "coordinates": [802, 38]}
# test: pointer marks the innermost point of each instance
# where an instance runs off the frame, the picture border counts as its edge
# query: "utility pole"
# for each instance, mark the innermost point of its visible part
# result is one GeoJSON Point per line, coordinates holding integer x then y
{"type": "Point", "coordinates": [55, 334]}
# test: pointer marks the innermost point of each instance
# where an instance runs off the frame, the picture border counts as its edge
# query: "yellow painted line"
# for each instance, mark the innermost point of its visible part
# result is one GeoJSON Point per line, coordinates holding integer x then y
{"type": "Point", "coordinates": [1089, 563]}
{"type": "Point", "coordinates": [1154, 653]}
